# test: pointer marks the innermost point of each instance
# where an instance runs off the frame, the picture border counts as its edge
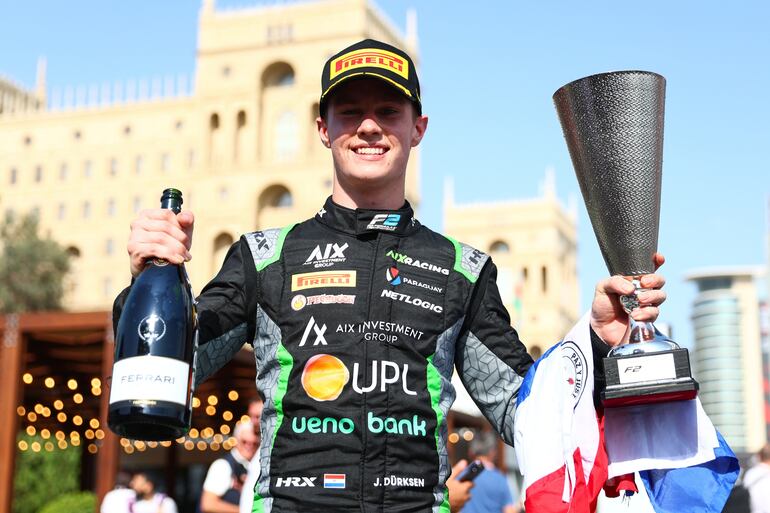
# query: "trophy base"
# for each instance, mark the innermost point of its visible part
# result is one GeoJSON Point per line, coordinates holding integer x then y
{"type": "Point", "coordinates": [645, 378]}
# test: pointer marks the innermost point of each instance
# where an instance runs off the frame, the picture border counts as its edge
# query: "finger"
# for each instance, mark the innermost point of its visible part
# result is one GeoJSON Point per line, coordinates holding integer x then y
{"type": "Point", "coordinates": [459, 467]}
{"type": "Point", "coordinates": [162, 226]}
{"type": "Point", "coordinates": [153, 240]}
{"type": "Point", "coordinates": [149, 250]}
{"type": "Point", "coordinates": [187, 221]}
{"type": "Point", "coordinates": [158, 214]}
{"type": "Point", "coordinates": [652, 281]}
{"type": "Point", "coordinates": [615, 285]}
{"type": "Point", "coordinates": [645, 313]}
{"type": "Point", "coordinates": [658, 259]}
{"type": "Point", "coordinates": [651, 297]}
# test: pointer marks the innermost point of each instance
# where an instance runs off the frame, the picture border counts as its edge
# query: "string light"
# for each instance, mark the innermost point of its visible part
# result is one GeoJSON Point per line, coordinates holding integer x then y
{"type": "Point", "coordinates": [96, 391]}
{"type": "Point", "coordinates": [94, 423]}
{"type": "Point", "coordinates": [189, 445]}
{"type": "Point", "coordinates": [89, 434]}
{"type": "Point", "coordinates": [207, 433]}
{"type": "Point", "coordinates": [214, 446]}
{"type": "Point", "coordinates": [180, 440]}
{"type": "Point", "coordinates": [202, 446]}
{"type": "Point", "coordinates": [224, 429]}
{"type": "Point", "coordinates": [75, 442]}
{"type": "Point", "coordinates": [72, 384]}
{"type": "Point", "coordinates": [232, 395]}
{"type": "Point", "coordinates": [212, 400]}
{"type": "Point", "coordinates": [96, 383]}
{"type": "Point", "coordinates": [468, 435]}
{"type": "Point", "coordinates": [210, 410]}
{"type": "Point", "coordinates": [78, 398]}
{"type": "Point", "coordinates": [50, 383]}
{"type": "Point", "coordinates": [32, 416]}
{"type": "Point", "coordinates": [58, 404]}
{"type": "Point", "coordinates": [60, 435]}
{"type": "Point", "coordinates": [27, 378]}
{"type": "Point", "coordinates": [77, 420]}
{"type": "Point", "coordinates": [166, 443]}
{"type": "Point", "coordinates": [129, 449]}
{"type": "Point", "coordinates": [125, 442]}
{"type": "Point", "coordinates": [218, 438]}
{"type": "Point", "coordinates": [46, 412]}
{"type": "Point", "coordinates": [140, 445]}
{"type": "Point", "coordinates": [62, 444]}
{"type": "Point", "coordinates": [99, 434]}
{"type": "Point", "coordinates": [196, 402]}
{"type": "Point", "coordinates": [151, 445]}
{"type": "Point", "coordinates": [92, 448]}
{"type": "Point", "coordinates": [35, 446]}
{"type": "Point", "coordinates": [31, 430]}
{"type": "Point", "coordinates": [228, 416]}
{"type": "Point", "coordinates": [45, 434]}
{"type": "Point", "coordinates": [61, 417]}
{"type": "Point", "coordinates": [193, 433]}
{"type": "Point", "coordinates": [21, 411]}
{"type": "Point", "coordinates": [454, 438]}
{"type": "Point", "coordinates": [23, 446]}
{"type": "Point", "coordinates": [49, 446]}
{"type": "Point", "coordinates": [39, 409]}
{"type": "Point", "coordinates": [244, 418]}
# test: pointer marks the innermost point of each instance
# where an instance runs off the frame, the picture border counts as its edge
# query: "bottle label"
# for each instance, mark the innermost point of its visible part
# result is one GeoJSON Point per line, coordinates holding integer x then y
{"type": "Point", "coordinates": [150, 378]}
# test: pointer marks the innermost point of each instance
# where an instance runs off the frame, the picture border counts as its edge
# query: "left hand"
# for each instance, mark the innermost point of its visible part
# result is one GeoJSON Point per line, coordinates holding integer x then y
{"type": "Point", "coordinates": [609, 320]}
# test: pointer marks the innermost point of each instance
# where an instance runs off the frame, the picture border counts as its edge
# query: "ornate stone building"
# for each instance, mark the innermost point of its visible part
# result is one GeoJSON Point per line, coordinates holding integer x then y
{"type": "Point", "coordinates": [240, 143]}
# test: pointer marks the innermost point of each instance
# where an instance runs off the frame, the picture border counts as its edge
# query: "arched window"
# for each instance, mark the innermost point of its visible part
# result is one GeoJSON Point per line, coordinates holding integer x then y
{"type": "Point", "coordinates": [222, 243]}
{"type": "Point", "coordinates": [215, 142]}
{"type": "Point", "coordinates": [499, 247]}
{"type": "Point", "coordinates": [286, 136]}
{"type": "Point", "coordinates": [73, 252]}
{"type": "Point", "coordinates": [277, 196]}
{"type": "Point", "coordinates": [278, 74]}
{"type": "Point", "coordinates": [544, 278]}
{"type": "Point", "coordinates": [240, 124]}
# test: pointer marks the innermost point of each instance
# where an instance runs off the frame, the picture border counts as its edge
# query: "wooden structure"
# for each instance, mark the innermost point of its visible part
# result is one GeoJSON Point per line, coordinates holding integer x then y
{"type": "Point", "coordinates": [54, 378]}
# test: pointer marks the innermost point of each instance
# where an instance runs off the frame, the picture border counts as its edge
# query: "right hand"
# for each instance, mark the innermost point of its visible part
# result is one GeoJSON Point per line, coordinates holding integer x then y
{"type": "Point", "coordinates": [159, 233]}
{"type": "Point", "coordinates": [459, 491]}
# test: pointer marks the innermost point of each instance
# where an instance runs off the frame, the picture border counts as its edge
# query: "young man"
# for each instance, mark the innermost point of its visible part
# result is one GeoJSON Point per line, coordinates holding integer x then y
{"type": "Point", "coordinates": [491, 492]}
{"type": "Point", "coordinates": [359, 315]}
{"type": "Point", "coordinates": [147, 499]}
{"type": "Point", "coordinates": [254, 411]}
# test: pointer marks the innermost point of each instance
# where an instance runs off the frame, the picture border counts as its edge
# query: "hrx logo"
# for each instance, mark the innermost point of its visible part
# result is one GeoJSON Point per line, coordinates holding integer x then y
{"type": "Point", "coordinates": [295, 481]}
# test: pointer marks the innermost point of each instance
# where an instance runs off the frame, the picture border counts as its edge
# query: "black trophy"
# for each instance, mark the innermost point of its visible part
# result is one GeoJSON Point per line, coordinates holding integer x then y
{"type": "Point", "coordinates": [613, 124]}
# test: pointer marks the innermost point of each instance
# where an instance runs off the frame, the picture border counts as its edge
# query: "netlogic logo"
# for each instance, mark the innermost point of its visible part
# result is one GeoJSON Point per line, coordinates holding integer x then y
{"type": "Point", "coordinates": [385, 222]}
{"type": "Point", "coordinates": [406, 298]}
{"type": "Point", "coordinates": [332, 254]}
{"type": "Point", "coordinates": [405, 259]}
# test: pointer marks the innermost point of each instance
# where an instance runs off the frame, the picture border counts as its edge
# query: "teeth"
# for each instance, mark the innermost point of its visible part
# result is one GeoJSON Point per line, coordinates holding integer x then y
{"type": "Point", "coordinates": [370, 151]}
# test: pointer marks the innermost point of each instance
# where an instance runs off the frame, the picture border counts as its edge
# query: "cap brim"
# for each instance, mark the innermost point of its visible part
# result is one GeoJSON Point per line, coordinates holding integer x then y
{"type": "Point", "coordinates": [369, 74]}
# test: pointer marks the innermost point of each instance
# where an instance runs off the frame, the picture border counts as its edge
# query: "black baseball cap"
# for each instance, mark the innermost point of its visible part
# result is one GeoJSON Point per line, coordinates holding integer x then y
{"type": "Point", "coordinates": [371, 58]}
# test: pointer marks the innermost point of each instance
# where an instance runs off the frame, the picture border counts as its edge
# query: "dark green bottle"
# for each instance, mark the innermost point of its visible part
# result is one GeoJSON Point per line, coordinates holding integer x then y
{"type": "Point", "coordinates": [155, 343]}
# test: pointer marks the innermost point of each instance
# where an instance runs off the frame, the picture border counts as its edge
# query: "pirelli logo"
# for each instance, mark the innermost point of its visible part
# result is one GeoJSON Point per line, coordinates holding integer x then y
{"type": "Point", "coordinates": [323, 279]}
{"type": "Point", "coordinates": [369, 58]}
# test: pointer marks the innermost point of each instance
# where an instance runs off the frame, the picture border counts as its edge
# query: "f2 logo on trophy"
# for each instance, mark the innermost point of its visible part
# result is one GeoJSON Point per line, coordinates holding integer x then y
{"type": "Point", "coordinates": [613, 124]}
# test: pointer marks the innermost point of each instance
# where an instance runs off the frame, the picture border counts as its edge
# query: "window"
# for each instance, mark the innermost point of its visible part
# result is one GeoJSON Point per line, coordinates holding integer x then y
{"type": "Point", "coordinates": [109, 247]}
{"type": "Point", "coordinates": [544, 276]}
{"type": "Point", "coordinates": [190, 159]}
{"type": "Point", "coordinates": [113, 166]}
{"type": "Point", "coordinates": [62, 211]}
{"type": "Point", "coordinates": [13, 176]}
{"type": "Point", "coordinates": [86, 209]}
{"type": "Point", "coordinates": [38, 174]}
{"type": "Point", "coordinates": [111, 207]}
{"type": "Point", "coordinates": [223, 194]}
{"type": "Point", "coordinates": [137, 204]}
{"type": "Point", "coordinates": [87, 169]}
{"type": "Point", "coordinates": [165, 162]}
{"type": "Point", "coordinates": [286, 136]}
{"type": "Point", "coordinates": [138, 164]}
{"type": "Point", "coordinates": [107, 287]}
{"type": "Point", "coordinates": [499, 247]}
{"type": "Point", "coordinates": [63, 171]}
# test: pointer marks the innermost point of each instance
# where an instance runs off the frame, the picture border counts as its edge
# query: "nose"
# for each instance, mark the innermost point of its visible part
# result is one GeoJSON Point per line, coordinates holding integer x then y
{"type": "Point", "coordinates": [369, 126]}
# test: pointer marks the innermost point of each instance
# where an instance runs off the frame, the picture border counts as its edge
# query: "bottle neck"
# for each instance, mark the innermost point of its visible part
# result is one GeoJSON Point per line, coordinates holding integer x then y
{"type": "Point", "coordinates": [171, 203]}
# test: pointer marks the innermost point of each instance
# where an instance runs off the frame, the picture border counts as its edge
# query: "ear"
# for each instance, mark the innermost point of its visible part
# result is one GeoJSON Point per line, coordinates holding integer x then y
{"type": "Point", "coordinates": [418, 131]}
{"type": "Point", "coordinates": [323, 131]}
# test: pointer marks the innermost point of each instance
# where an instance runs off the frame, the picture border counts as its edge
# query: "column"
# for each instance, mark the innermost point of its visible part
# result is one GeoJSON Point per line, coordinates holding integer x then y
{"type": "Point", "coordinates": [12, 349]}
{"type": "Point", "coordinates": [108, 455]}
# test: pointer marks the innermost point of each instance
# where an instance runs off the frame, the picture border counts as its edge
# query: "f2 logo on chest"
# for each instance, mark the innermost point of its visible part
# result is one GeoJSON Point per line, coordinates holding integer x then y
{"type": "Point", "coordinates": [319, 333]}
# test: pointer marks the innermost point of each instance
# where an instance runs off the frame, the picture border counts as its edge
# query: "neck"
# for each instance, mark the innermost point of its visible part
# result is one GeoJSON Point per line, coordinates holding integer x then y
{"type": "Point", "coordinates": [385, 197]}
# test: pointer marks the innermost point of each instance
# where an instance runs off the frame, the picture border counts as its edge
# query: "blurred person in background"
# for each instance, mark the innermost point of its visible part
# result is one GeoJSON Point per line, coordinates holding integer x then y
{"type": "Point", "coordinates": [226, 476]}
{"type": "Point", "coordinates": [491, 493]}
{"type": "Point", "coordinates": [757, 481]}
{"type": "Point", "coordinates": [148, 500]}
{"type": "Point", "coordinates": [254, 412]}
{"type": "Point", "coordinates": [119, 499]}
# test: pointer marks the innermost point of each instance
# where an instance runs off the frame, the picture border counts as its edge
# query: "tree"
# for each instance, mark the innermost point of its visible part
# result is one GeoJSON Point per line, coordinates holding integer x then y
{"type": "Point", "coordinates": [32, 269]}
{"type": "Point", "coordinates": [43, 472]}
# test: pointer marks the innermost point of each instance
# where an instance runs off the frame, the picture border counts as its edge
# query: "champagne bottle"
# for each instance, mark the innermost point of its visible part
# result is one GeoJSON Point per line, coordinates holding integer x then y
{"type": "Point", "coordinates": [155, 344]}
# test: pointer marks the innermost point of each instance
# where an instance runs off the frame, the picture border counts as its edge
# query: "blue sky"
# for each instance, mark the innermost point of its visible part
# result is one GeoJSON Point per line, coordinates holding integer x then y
{"type": "Point", "coordinates": [488, 72]}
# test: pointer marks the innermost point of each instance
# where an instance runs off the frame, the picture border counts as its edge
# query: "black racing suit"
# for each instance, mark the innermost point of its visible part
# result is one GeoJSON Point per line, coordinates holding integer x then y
{"type": "Point", "coordinates": [357, 319]}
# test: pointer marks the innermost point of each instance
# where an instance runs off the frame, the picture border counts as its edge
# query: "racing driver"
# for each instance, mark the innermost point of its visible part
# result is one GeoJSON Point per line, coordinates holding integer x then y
{"type": "Point", "coordinates": [359, 315]}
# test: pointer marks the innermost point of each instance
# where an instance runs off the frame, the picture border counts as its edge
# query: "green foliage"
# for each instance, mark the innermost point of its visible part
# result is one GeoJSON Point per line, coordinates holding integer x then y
{"type": "Point", "coordinates": [41, 476]}
{"type": "Point", "coordinates": [32, 269]}
{"type": "Point", "coordinates": [82, 502]}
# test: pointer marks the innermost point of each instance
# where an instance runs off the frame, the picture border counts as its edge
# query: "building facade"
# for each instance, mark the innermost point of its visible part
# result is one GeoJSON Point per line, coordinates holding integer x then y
{"type": "Point", "coordinates": [727, 360]}
{"type": "Point", "coordinates": [533, 242]}
{"type": "Point", "coordinates": [241, 143]}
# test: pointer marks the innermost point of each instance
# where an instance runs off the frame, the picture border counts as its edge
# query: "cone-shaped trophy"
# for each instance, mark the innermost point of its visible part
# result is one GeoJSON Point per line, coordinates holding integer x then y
{"type": "Point", "coordinates": [613, 124]}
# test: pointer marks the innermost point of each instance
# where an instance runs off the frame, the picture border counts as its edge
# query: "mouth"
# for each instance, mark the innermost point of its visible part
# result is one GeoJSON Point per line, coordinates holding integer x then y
{"type": "Point", "coordinates": [370, 151]}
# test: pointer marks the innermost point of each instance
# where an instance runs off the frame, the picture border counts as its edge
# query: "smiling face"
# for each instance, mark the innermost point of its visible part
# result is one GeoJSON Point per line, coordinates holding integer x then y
{"type": "Point", "coordinates": [370, 128]}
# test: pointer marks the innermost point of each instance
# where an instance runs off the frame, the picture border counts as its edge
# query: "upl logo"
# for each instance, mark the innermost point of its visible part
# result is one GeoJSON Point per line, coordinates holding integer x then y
{"type": "Point", "coordinates": [325, 377]}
